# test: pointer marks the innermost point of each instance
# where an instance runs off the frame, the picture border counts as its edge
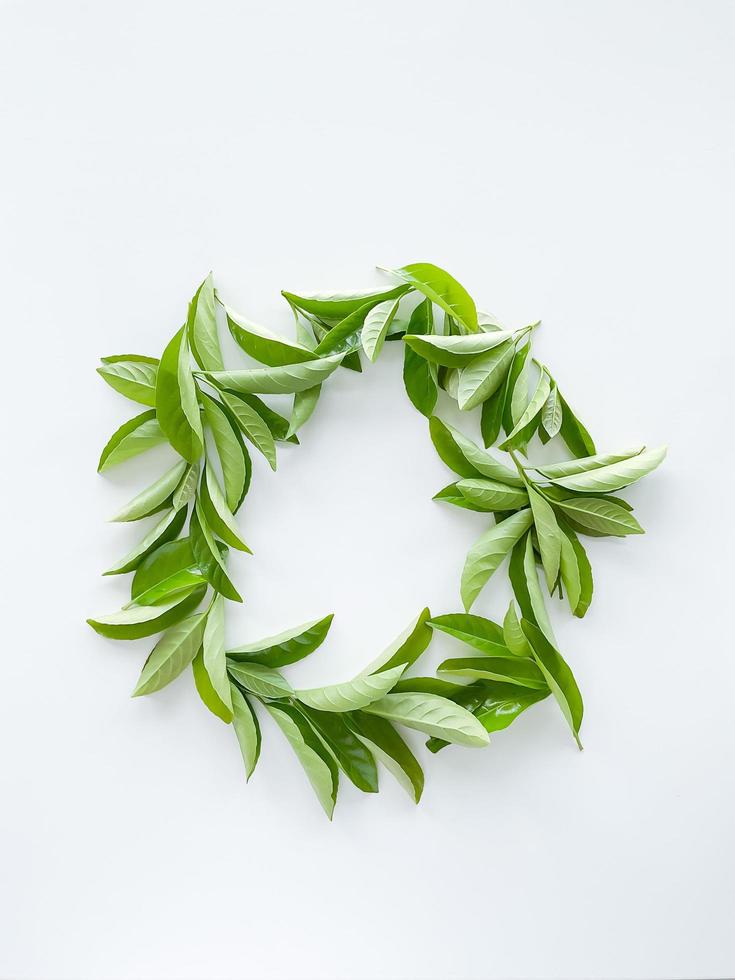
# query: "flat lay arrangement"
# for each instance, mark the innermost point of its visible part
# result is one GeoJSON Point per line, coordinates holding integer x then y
{"type": "Point", "coordinates": [533, 515]}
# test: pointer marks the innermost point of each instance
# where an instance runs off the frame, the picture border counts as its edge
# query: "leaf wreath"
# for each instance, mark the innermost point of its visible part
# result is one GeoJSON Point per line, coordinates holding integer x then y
{"type": "Point", "coordinates": [539, 513]}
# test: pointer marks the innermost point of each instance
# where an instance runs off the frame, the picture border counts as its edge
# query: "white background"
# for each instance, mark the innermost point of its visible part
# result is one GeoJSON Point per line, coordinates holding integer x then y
{"type": "Point", "coordinates": [571, 161]}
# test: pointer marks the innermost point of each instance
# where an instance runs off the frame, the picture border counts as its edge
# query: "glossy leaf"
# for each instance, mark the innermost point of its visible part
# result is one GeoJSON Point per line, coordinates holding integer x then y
{"type": "Point", "coordinates": [558, 676]}
{"type": "Point", "coordinates": [517, 436]}
{"type": "Point", "coordinates": [135, 622]}
{"type": "Point", "coordinates": [418, 375]}
{"type": "Point", "coordinates": [601, 516]}
{"type": "Point", "coordinates": [201, 327]}
{"type": "Point", "coordinates": [465, 458]}
{"type": "Point", "coordinates": [166, 529]}
{"type": "Point", "coordinates": [166, 572]}
{"type": "Point", "coordinates": [247, 729]}
{"type": "Point", "coordinates": [336, 306]}
{"type": "Point", "coordinates": [276, 380]}
{"type": "Point", "coordinates": [287, 647]}
{"type": "Point", "coordinates": [154, 497]}
{"type": "Point", "coordinates": [433, 715]}
{"type": "Point", "coordinates": [389, 748]}
{"type": "Point", "coordinates": [549, 536]}
{"type": "Point", "coordinates": [484, 375]}
{"type": "Point", "coordinates": [133, 377]}
{"type": "Point", "coordinates": [574, 434]}
{"type": "Point", "coordinates": [457, 351]}
{"type": "Point", "coordinates": [184, 492]}
{"type": "Point", "coordinates": [275, 422]}
{"type": "Point", "coordinates": [441, 288]}
{"type": "Point", "coordinates": [263, 345]}
{"type": "Point", "coordinates": [451, 494]}
{"type": "Point", "coordinates": [260, 680]}
{"type": "Point", "coordinates": [174, 651]}
{"type": "Point", "coordinates": [214, 660]}
{"type": "Point", "coordinates": [311, 753]}
{"type": "Point", "coordinates": [581, 465]}
{"type": "Point", "coordinates": [407, 647]}
{"type": "Point", "coordinates": [252, 425]}
{"type": "Point", "coordinates": [570, 574]}
{"type": "Point", "coordinates": [132, 438]}
{"type": "Point", "coordinates": [352, 755]}
{"type": "Point", "coordinates": [492, 415]}
{"type": "Point", "coordinates": [208, 556]}
{"type": "Point", "coordinates": [233, 456]}
{"type": "Point", "coordinates": [478, 632]}
{"type": "Point", "coordinates": [376, 326]}
{"type": "Point", "coordinates": [344, 337]}
{"type": "Point", "coordinates": [487, 553]}
{"type": "Point", "coordinates": [351, 695]}
{"type": "Point", "coordinates": [615, 476]}
{"type": "Point", "coordinates": [504, 702]}
{"type": "Point", "coordinates": [176, 400]}
{"type": "Point", "coordinates": [219, 517]}
{"type": "Point", "coordinates": [304, 403]}
{"type": "Point", "coordinates": [513, 635]}
{"type": "Point", "coordinates": [511, 670]}
{"type": "Point", "coordinates": [491, 495]}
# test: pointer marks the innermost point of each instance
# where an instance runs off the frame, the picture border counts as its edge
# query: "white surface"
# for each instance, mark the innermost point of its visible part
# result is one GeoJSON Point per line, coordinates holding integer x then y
{"type": "Point", "coordinates": [571, 161]}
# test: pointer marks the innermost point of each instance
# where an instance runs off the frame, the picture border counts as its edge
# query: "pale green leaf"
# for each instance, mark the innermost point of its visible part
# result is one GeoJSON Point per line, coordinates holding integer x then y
{"type": "Point", "coordinates": [174, 651]}
{"type": "Point", "coordinates": [263, 681]}
{"type": "Point", "coordinates": [441, 288]}
{"type": "Point", "coordinates": [277, 380]}
{"type": "Point", "coordinates": [132, 438]}
{"type": "Point", "coordinates": [487, 553]}
{"type": "Point", "coordinates": [285, 648]}
{"type": "Point", "coordinates": [483, 376]}
{"type": "Point", "coordinates": [151, 499]}
{"type": "Point", "coordinates": [176, 401]}
{"type": "Point", "coordinates": [433, 715]}
{"type": "Point", "coordinates": [351, 695]}
{"type": "Point", "coordinates": [375, 327]}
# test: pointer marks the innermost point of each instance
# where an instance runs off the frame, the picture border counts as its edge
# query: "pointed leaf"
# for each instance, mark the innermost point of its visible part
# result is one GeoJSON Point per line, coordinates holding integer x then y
{"type": "Point", "coordinates": [478, 632]}
{"type": "Point", "coordinates": [441, 288]}
{"type": "Point", "coordinates": [549, 536]}
{"type": "Point", "coordinates": [174, 651]}
{"type": "Point", "coordinates": [574, 434]}
{"type": "Point", "coordinates": [511, 670]}
{"type": "Point", "coordinates": [601, 516]}
{"type": "Point", "coordinates": [513, 635]}
{"type": "Point", "coordinates": [558, 676]}
{"type": "Point", "coordinates": [247, 729]}
{"type": "Point", "coordinates": [184, 492]}
{"type": "Point", "coordinates": [287, 647]}
{"type": "Point", "coordinates": [433, 715]}
{"type": "Point", "coordinates": [407, 647]}
{"type": "Point", "coordinates": [552, 413]}
{"type": "Point", "coordinates": [154, 497]}
{"type": "Point", "coordinates": [263, 345]}
{"type": "Point", "coordinates": [164, 572]}
{"type": "Point", "coordinates": [165, 530]}
{"type": "Point", "coordinates": [135, 622]}
{"type": "Point", "coordinates": [176, 401]}
{"type": "Point", "coordinates": [581, 465]}
{"type": "Point", "coordinates": [517, 436]}
{"type": "Point", "coordinates": [351, 695]}
{"type": "Point", "coordinates": [135, 378]}
{"type": "Point", "coordinates": [389, 748]}
{"type": "Point", "coordinates": [219, 517]}
{"type": "Point", "coordinates": [336, 306]}
{"type": "Point", "coordinates": [252, 425]}
{"type": "Point", "coordinates": [491, 495]}
{"type": "Point", "coordinates": [352, 756]}
{"type": "Point", "coordinates": [465, 458]}
{"type": "Point", "coordinates": [304, 403]}
{"type": "Point", "coordinates": [484, 375]}
{"type": "Point", "coordinates": [418, 375]}
{"type": "Point", "coordinates": [262, 681]}
{"type": "Point", "coordinates": [208, 556]}
{"type": "Point", "coordinates": [615, 476]}
{"type": "Point", "coordinates": [375, 327]}
{"type": "Point", "coordinates": [277, 380]}
{"type": "Point", "coordinates": [311, 753]}
{"type": "Point", "coordinates": [214, 661]}
{"type": "Point", "coordinates": [487, 553]}
{"type": "Point", "coordinates": [132, 438]}
{"type": "Point", "coordinates": [201, 326]}
{"type": "Point", "coordinates": [457, 351]}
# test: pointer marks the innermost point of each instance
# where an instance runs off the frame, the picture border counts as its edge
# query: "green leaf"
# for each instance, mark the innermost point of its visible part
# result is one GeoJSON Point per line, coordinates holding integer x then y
{"type": "Point", "coordinates": [615, 476]}
{"type": "Point", "coordinates": [552, 413]}
{"type": "Point", "coordinates": [433, 715]}
{"type": "Point", "coordinates": [558, 676]}
{"type": "Point", "coordinates": [418, 375]}
{"type": "Point", "coordinates": [201, 327]}
{"type": "Point", "coordinates": [601, 516]}
{"type": "Point", "coordinates": [214, 661]}
{"type": "Point", "coordinates": [442, 289]}
{"type": "Point", "coordinates": [526, 588]}
{"type": "Point", "coordinates": [585, 573]}
{"type": "Point", "coordinates": [511, 670]}
{"type": "Point", "coordinates": [275, 422]}
{"type": "Point", "coordinates": [351, 695]}
{"type": "Point", "coordinates": [263, 345]}
{"type": "Point", "coordinates": [164, 573]}
{"type": "Point", "coordinates": [336, 306]}
{"type": "Point", "coordinates": [262, 681]}
{"type": "Point", "coordinates": [478, 632]}
{"type": "Point", "coordinates": [166, 529]}
{"type": "Point", "coordinates": [233, 455]}
{"type": "Point", "coordinates": [135, 622]}
{"type": "Point", "coordinates": [581, 465]}
{"type": "Point", "coordinates": [517, 369]}
{"type": "Point", "coordinates": [457, 351]}
{"type": "Point", "coordinates": [185, 491]}
{"type": "Point", "coordinates": [484, 375]}
{"type": "Point", "coordinates": [517, 438]}
{"type": "Point", "coordinates": [491, 495]}
{"type": "Point", "coordinates": [344, 337]}
{"type": "Point", "coordinates": [407, 647]}
{"type": "Point", "coordinates": [429, 685]}
{"type": "Point", "coordinates": [132, 438]}
{"type": "Point", "coordinates": [352, 756]}
{"type": "Point", "coordinates": [208, 556]}
{"type": "Point", "coordinates": [451, 494]}
{"type": "Point", "coordinates": [154, 497]}
{"type": "Point", "coordinates": [304, 403]}
{"type": "Point", "coordinates": [570, 575]}
{"type": "Point", "coordinates": [253, 426]}
{"type": "Point", "coordinates": [487, 553]}
{"type": "Point", "coordinates": [311, 753]}
{"type": "Point", "coordinates": [504, 702]}
{"type": "Point", "coordinates": [375, 328]}
{"type": "Point", "coordinates": [465, 458]}
{"type": "Point", "coordinates": [513, 635]}
{"type": "Point", "coordinates": [174, 651]}
{"type": "Point", "coordinates": [133, 377]}
{"type": "Point", "coordinates": [287, 647]}
{"type": "Point", "coordinates": [492, 415]}
{"type": "Point", "coordinates": [574, 434]}
{"type": "Point", "coordinates": [277, 380]}
{"type": "Point", "coordinates": [219, 517]}
{"type": "Point", "coordinates": [389, 748]}
{"type": "Point", "coordinates": [520, 395]}
{"type": "Point", "coordinates": [549, 536]}
{"type": "Point", "coordinates": [247, 729]}
{"type": "Point", "coordinates": [176, 400]}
